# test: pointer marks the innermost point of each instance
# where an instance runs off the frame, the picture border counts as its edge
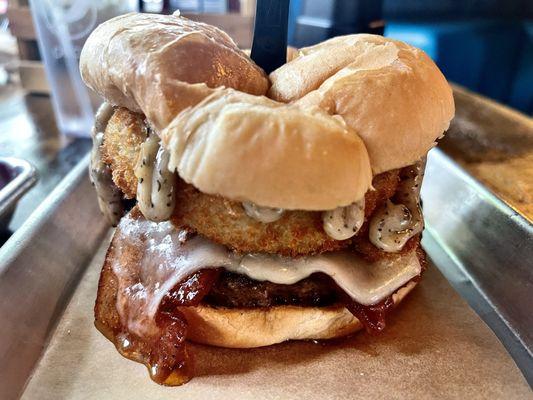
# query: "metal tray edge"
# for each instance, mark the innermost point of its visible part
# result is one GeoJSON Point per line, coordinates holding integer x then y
{"type": "Point", "coordinates": [53, 245]}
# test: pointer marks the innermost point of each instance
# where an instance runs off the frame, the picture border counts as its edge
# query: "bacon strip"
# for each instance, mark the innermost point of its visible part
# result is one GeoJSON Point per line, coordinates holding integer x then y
{"type": "Point", "coordinates": [166, 354]}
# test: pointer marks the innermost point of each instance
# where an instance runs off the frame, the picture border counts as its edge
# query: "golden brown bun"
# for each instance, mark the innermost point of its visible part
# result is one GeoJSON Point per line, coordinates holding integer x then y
{"type": "Point", "coordinates": [251, 148]}
{"type": "Point", "coordinates": [390, 93]}
{"type": "Point", "coordinates": [245, 328]}
{"type": "Point", "coordinates": [160, 64]}
{"type": "Point", "coordinates": [305, 155]}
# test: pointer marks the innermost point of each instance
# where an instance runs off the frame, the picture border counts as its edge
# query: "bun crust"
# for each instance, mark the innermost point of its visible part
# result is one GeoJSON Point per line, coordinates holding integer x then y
{"type": "Point", "coordinates": [392, 94]}
{"type": "Point", "coordinates": [246, 328]}
{"type": "Point", "coordinates": [251, 148]}
{"type": "Point", "coordinates": [302, 148]}
{"type": "Point", "coordinates": [161, 64]}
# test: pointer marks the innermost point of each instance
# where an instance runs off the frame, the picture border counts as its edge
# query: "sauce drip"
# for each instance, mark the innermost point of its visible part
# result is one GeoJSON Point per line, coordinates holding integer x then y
{"type": "Point", "coordinates": [344, 222]}
{"type": "Point", "coordinates": [109, 195]}
{"type": "Point", "coordinates": [166, 355]}
{"type": "Point", "coordinates": [397, 221]}
{"type": "Point", "coordinates": [371, 317]}
{"type": "Point", "coordinates": [165, 352]}
{"type": "Point", "coordinates": [262, 214]}
{"type": "Point", "coordinates": [102, 117]}
{"type": "Point", "coordinates": [156, 185]}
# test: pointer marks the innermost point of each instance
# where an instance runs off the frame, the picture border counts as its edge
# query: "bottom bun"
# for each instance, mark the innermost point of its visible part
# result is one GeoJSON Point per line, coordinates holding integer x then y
{"type": "Point", "coordinates": [256, 327]}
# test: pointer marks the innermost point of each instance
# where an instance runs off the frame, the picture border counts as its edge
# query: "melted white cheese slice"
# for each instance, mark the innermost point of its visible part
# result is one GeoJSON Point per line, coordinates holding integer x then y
{"type": "Point", "coordinates": [165, 257]}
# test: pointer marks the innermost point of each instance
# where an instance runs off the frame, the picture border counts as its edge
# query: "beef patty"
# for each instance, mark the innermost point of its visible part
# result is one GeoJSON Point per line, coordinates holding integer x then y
{"type": "Point", "coordinates": [238, 291]}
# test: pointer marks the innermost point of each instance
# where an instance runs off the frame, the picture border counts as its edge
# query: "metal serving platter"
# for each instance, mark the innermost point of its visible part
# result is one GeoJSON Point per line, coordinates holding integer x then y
{"type": "Point", "coordinates": [40, 266]}
{"type": "Point", "coordinates": [485, 249]}
{"type": "Point", "coordinates": [479, 243]}
{"type": "Point", "coordinates": [17, 176]}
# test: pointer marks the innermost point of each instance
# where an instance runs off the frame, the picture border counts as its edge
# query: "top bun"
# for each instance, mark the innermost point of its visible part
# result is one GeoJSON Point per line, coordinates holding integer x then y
{"type": "Point", "coordinates": [392, 94]}
{"type": "Point", "coordinates": [161, 64]}
{"type": "Point", "coordinates": [338, 112]}
{"type": "Point", "coordinates": [251, 148]}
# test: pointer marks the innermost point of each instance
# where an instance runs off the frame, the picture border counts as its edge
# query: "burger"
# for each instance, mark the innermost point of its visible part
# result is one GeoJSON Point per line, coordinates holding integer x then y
{"type": "Point", "coordinates": [266, 208]}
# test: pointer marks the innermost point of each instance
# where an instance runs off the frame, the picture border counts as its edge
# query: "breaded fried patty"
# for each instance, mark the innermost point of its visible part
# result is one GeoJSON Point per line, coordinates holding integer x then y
{"type": "Point", "coordinates": [225, 221]}
{"type": "Point", "coordinates": [295, 233]}
{"type": "Point", "coordinates": [124, 134]}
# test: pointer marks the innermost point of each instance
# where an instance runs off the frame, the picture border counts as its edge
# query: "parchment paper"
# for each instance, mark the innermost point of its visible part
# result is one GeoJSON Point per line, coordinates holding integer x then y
{"type": "Point", "coordinates": [435, 346]}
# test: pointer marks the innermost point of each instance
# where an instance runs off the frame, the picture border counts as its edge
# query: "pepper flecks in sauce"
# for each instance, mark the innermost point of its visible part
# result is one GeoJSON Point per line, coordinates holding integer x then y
{"type": "Point", "coordinates": [399, 220]}
{"type": "Point", "coordinates": [156, 183]}
{"type": "Point", "coordinates": [262, 214]}
{"type": "Point", "coordinates": [109, 195]}
{"type": "Point", "coordinates": [344, 222]}
{"type": "Point", "coordinates": [371, 317]}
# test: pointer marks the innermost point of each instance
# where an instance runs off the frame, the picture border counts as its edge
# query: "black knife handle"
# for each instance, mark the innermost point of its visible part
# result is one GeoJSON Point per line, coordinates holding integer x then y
{"type": "Point", "coordinates": [269, 47]}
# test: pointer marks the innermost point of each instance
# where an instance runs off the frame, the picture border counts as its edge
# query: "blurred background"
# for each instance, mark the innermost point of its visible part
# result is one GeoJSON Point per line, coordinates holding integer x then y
{"type": "Point", "coordinates": [484, 47]}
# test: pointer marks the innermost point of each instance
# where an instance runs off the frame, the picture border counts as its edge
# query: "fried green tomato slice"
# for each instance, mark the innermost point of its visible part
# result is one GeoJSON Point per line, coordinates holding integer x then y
{"type": "Point", "coordinates": [225, 221]}
{"type": "Point", "coordinates": [124, 134]}
{"type": "Point", "coordinates": [295, 233]}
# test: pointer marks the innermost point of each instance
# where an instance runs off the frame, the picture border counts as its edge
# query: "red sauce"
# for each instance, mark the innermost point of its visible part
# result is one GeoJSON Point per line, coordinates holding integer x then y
{"type": "Point", "coordinates": [190, 291]}
{"type": "Point", "coordinates": [372, 317]}
{"type": "Point", "coordinates": [166, 355]}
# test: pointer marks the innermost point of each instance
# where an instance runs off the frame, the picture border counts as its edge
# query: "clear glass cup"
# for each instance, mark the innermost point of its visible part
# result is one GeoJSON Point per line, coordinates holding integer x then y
{"type": "Point", "coordinates": [62, 26]}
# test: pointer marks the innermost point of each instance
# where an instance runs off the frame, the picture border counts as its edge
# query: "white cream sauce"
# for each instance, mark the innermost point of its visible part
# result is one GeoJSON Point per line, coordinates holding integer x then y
{"type": "Point", "coordinates": [166, 257]}
{"type": "Point", "coordinates": [102, 117]}
{"type": "Point", "coordinates": [262, 214]}
{"type": "Point", "coordinates": [344, 222]}
{"type": "Point", "coordinates": [109, 195]}
{"type": "Point", "coordinates": [156, 185]}
{"type": "Point", "coordinates": [393, 224]}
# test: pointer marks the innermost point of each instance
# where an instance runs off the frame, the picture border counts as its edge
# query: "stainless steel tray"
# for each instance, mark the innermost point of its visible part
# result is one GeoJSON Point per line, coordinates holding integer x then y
{"type": "Point", "coordinates": [40, 266]}
{"type": "Point", "coordinates": [17, 176]}
{"type": "Point", "coordinates": [480, 244]}
{"type": "Point", "coordinates": [485, 249]}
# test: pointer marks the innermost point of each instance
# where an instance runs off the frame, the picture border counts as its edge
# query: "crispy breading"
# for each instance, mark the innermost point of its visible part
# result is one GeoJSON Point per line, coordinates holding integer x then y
{"type": "Point", "coordinates": [295, 233]}
{"type": "Point", "coordinates": [125, 133]}
{"type": "Point", "coordinates": [225, 221]}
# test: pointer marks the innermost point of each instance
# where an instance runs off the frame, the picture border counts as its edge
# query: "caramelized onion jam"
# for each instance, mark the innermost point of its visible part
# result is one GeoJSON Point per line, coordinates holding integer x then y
{"type": "Point", "coordinates": [166, 355]}
{"type": "Point", "coordinates": [159, 340]}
